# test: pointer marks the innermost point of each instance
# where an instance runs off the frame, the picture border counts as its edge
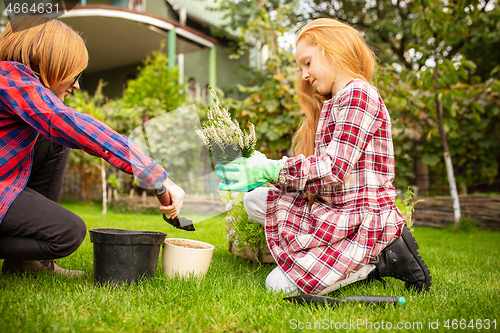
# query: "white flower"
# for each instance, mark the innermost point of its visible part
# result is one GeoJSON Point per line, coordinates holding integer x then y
{"type": "Point", "coordinates": [241, 141]}
{"type": "Point", "coordinates": [230, 205]}
{"type": "Point", "coordinates": [214, 135]}
{"type": "Point", "coordinates": [252, 131]}
{"type": "Point", "coordinates": [203, 137]}
{"type": "Point", "coordinates": [234, 195]}
{"type": "Point", "coordinates": [223, 130]}
{"type": "Point", "coordinates": [230, 234]}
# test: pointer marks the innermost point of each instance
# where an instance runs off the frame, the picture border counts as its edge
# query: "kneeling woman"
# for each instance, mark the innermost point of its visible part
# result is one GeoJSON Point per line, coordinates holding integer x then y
{"type": "Point", "coordinates": [40, 63]}
{"type": "Point", "coordinates": [332, 218]}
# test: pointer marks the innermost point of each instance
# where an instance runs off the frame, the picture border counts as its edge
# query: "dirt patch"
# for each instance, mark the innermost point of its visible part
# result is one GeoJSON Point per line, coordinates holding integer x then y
{"type": "Point", "coordinates": [187, 243]}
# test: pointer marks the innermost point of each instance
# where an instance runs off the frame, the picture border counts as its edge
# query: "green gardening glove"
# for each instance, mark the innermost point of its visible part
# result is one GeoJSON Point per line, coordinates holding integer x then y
{"type": "Point", "coordinates": [244, 174]}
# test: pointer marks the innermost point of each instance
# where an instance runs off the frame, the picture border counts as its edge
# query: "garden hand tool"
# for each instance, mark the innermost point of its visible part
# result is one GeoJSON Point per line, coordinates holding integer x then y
{"type": "Point", "coordinates": [313, 299]}
{"type": "Point", "coordinates": [178, 222]}
{"type": "Point", "coordinates": [246, 173]}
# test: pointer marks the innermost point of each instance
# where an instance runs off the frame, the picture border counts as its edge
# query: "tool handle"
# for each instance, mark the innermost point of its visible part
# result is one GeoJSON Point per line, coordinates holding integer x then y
{"type": "Point", "coordinates": [163, 196]}
{"type": "Point", "coordinates": [375, 299]}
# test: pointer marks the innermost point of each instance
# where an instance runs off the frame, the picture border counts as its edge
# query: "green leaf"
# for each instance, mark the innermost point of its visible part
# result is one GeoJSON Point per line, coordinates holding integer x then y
{"type": "Point", "coordinates": [495, 70]}
{"type": "Point", "coordinates": [468, 63]}
{"type": "Point", "coordinates": [478, 107]}
{"type": "Point", "coordinates": [430, 159]}
{"type": "Point", "coordinates": [271, 105]}
{"type": "Point", "coordinates": [416, 28]}
{"type": "Point", "coordinates": [448, 104]}
{"type": "Point", "coordinates": [476, 116]}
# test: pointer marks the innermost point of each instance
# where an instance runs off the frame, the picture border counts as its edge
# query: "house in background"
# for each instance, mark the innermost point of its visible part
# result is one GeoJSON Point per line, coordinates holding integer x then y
{"type": "Point", "coordinates": [119, 34]}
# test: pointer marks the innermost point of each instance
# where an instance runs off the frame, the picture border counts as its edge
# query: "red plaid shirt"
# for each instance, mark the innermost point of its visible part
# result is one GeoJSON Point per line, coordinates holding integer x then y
{"type": "Point", "coordinates": [27, 108]}
{"type": "Point", "coordinates": [354, 215]}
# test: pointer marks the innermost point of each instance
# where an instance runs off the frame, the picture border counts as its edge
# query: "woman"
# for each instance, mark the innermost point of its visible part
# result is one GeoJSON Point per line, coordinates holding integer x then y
{"type": "Point", "coordinates": [332, 220]}
{"type": "Point", "coordinates": [40, 63]}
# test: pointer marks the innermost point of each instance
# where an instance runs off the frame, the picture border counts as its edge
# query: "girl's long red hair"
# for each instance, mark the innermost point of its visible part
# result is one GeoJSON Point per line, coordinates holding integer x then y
{"type": "Point", "coordinates": [341, 45]}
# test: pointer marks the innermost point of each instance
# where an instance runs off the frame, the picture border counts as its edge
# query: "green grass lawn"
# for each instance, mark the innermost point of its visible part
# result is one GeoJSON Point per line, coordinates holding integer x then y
{"type": "Point", "coordinates": [465, 267]}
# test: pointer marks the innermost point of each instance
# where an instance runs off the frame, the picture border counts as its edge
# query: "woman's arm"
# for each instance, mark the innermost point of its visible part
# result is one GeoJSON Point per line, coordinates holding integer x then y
{"type": "Point", "coordinates": [23, 95]}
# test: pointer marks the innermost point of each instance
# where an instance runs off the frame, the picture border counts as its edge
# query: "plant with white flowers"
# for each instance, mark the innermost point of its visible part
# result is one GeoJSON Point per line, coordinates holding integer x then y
{"type": "Point", "coordinates": [223, 136]}
{"type": "Point", "coordinates": [242, 233]}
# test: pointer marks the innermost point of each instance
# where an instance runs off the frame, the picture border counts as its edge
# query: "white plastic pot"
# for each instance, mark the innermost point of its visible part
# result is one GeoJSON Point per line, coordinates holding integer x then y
{"type": "Point", "coordinates": [186, 257]}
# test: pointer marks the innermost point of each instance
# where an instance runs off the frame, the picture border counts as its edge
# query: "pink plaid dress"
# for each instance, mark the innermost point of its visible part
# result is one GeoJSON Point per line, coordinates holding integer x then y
{"type": "Point", "coordinates": [353, 216]}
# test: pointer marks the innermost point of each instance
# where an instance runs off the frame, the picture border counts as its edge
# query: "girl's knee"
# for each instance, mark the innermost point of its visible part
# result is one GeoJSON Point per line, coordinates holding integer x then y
{"type": "Point", "coordinates": [255, 203]}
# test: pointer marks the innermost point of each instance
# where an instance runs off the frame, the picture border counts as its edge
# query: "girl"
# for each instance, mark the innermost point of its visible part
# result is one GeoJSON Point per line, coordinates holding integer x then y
{"type": "Point", "coordinates": [40, 63]}
{"type": "Point", "coordinates": [332, 219]}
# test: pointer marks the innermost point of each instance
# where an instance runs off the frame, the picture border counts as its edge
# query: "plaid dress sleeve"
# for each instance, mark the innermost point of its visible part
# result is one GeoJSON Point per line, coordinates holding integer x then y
{"type": "Point", "coordinates": [352, 125]}
{"type": "Point", "coordinates": [354, 215]}
{"type": "Point", "coordinates": [28, 108]}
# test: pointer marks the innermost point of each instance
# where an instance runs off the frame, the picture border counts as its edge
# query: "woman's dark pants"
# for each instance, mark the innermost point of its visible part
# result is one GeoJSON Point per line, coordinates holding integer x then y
{"type": "Point", "coordinates": [36, 227]}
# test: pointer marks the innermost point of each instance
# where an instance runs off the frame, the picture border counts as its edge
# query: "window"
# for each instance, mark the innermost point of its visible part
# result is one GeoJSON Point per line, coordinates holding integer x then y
{"type": "Point", "coordinates": [131, 76]}
{"type": "Point", "coordinates": [193, 88]}
{"type": "Point", "coordinates": [137, 5]}
{"type": "Point", "coordinates": [206, 96]}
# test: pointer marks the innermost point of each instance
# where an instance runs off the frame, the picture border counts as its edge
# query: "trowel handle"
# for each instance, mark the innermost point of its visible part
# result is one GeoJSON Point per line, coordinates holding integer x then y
{"type": "Point", "coordinates": [375, 299]}
{"type": "Point", "coordinates": [163, 196]}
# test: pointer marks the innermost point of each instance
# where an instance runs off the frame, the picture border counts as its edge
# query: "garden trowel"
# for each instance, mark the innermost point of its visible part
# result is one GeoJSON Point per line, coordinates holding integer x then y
{"type": "Point", "coordinates": [314, 299]}
{"type": "Point", "coordinates": [178, 222]}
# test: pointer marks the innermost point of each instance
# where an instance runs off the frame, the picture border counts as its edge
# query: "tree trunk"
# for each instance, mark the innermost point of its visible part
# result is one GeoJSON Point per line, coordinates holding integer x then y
{"type": "Point", "coordinates": [421, 176]}
{"type": "Point", "coordinates": [447, 158]}
{"type": "Point", "coordinates": [104, 188]}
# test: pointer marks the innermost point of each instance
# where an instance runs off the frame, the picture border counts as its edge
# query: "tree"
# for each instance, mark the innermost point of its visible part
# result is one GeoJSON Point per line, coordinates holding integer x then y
{"type": "Point", "coordinates": [88, 166]}
{"type": "Point", "coordinates": [444, 88]}
{"type": "Point", "coordinates": [394, 29]}
{"type": "Point", "coordinates": [271, 103]}
{"type": "Point", "coordinates": [155, 81]}
{"type": "Point", "coordinates": [410, 60]}
{"type": "Point", "coordinates": [443, 28]}
{"type": "Point", "coordinates": [153, 113]}
{"type": "Point", "coordinates": [483, 42]}
{"type": "Point", "coordinates": [154, 93]}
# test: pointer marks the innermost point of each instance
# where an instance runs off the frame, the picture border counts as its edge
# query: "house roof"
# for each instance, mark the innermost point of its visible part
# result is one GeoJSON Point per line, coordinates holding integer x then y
{"type": "Point", "coordinates": [117, 37]}
{"type": "Point", "coordinates": [198, 10]}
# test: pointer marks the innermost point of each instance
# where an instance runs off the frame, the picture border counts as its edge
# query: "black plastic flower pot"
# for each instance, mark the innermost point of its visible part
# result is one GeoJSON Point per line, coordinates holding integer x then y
{"type": "Point", "coordinates": [125, 256]}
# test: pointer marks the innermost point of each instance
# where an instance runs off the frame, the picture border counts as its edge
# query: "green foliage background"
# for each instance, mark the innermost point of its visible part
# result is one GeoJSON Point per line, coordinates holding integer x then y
{"type": "Point", "coordinates": [409, 38]}
{"type": "Point", "coordinates": [153, 93]}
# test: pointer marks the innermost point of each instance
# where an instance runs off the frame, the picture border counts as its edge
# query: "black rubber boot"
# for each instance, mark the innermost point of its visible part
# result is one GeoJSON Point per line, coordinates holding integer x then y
{"type": "Point", "coordinates": [401, 260]}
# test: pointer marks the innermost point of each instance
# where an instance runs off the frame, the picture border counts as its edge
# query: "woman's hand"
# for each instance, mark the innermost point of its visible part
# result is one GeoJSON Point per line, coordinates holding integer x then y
{"type": "Point", "coordinates": [177, 195]}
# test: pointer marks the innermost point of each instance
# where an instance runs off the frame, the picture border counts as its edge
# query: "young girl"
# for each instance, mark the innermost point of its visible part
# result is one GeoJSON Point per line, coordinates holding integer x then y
{"type": "Point", "coordinates": [40, 63]}
{"type": "Point", "coordinates": [332, 219]}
